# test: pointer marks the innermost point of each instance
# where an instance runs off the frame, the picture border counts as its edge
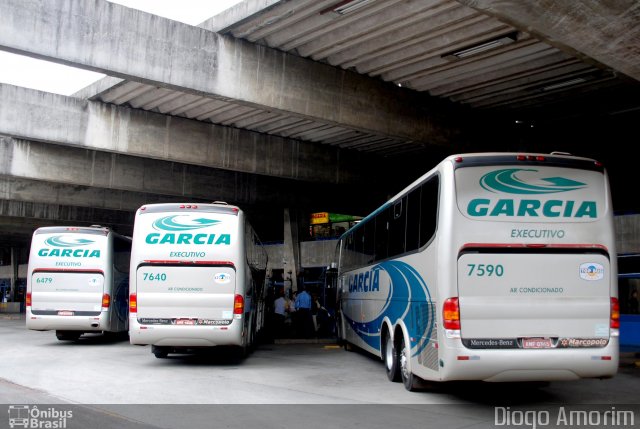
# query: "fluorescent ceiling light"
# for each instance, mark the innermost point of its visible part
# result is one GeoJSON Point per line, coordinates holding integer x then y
{"type": "Point", "coordinates": [483, 46]}
{"type": "Point", "coordinates": [565, 83]}
{"type": "Point", "coordinates": [350, 6]}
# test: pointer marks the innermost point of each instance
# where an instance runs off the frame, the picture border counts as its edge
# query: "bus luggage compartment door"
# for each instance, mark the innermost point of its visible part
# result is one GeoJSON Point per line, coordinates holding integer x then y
{"type": "Point", "coordinates": [534, 300]}
{"type": "Point", "coordinates": [185, 295]}
{"type": "Point", "coordinates": [68, 293]}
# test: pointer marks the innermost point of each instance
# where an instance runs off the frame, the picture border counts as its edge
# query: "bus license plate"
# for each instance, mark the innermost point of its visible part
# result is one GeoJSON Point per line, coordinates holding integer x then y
{"type": "Point", "coordinates": [537, 343]}
{"type": "Point", "coordinates": [65, 313]}
{"type": "Point", "coordinates": [185, 322]}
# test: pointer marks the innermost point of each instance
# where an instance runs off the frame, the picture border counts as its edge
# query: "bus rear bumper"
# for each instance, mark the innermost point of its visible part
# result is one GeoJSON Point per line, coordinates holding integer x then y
{"type": "Point", "coordinates": [530, 365]}
{"type": "Point", "coordinates": [68, 323]}
{"type": "Point", "coordinates": [186, 336]}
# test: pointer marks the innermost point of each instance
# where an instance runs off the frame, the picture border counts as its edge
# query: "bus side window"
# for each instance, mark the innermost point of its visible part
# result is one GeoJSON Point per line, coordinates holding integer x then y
{"type": "Point", "coordinates": [382, 234]}
{"type": "Point", "coordinates": [413, 220]}
{"type": "Point", "coordinates": [429, 210]}
{"type": "Point", "coordinates": [397, 228]}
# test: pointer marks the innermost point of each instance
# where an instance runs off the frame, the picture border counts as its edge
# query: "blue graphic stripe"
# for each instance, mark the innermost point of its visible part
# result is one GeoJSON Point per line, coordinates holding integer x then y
{"type": "Point", "coordinates": [406, 286]}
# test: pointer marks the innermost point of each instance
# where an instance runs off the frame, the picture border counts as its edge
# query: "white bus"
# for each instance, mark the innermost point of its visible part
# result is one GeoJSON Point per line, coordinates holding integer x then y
{"type": "Point", "coordinates": [78, 281]}
{"type": "Point", "coordinates": [495, 267]}
{"type": "Point", "coordinates": [197, 278]}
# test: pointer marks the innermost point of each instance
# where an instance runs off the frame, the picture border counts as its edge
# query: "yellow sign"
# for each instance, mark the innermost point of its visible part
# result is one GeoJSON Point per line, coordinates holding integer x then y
{"type": "Point", "coordinates": [318, 218]}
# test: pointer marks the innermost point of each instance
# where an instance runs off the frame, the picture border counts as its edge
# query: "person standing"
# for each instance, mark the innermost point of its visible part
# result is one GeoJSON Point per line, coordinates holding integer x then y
{"type": "Point", "coordinates": [303, 309]}
{"type": "Point", "coordinates": [279, 314]}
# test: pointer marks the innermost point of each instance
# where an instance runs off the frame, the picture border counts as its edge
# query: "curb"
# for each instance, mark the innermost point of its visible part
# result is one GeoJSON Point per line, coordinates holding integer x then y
{"type": "Point", "coordinates": [305, 341]}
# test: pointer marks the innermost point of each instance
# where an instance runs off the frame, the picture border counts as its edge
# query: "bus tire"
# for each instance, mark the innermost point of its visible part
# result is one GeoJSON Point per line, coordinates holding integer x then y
{"type": "Point", "coordinates": [411, 382]}
{"type": "Point", "coordinates": [390, 356]}
{"type": "Point", "coordinates": [68, 335]}
{"type": "Point", "coordinates": [159, 352]}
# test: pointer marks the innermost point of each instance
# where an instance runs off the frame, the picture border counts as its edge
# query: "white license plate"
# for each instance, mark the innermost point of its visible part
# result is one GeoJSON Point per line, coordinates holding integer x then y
{"type": "Point", "coordinates": [65, 313]}
{"type": "Point", "coordinates": [537, 343]}
{"type": "Point", "coordinates": [185, 322]}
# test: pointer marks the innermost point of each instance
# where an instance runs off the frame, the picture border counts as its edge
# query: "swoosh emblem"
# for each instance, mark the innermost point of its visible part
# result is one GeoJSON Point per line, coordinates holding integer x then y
{"type": "Point", "coordinates": [506, 181]}
{"type": "Point", "coordinates": [66, 241]}
{"type": "Point", "coordinates": [170, 223]}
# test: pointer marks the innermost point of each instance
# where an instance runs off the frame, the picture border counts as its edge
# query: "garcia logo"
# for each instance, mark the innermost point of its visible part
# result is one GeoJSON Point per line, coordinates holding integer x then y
{"type": "Point", "coordinates": [185, 223]}
{"type": "Point", "coordinates": [63, 247]}
{"type": "Point", "coordinates": [505, 181]}
{"type": "Point", "coordinates": [591, 271]}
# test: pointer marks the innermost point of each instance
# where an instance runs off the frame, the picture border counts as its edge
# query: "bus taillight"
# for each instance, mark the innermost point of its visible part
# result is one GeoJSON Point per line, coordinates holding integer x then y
{"type": "Point", "coordinates": [615, 313]}
{"type": "Point", "coordinates": [106, 300]}
{"type": "Point", "coordinates": [133, 303]}
{"type": "Point", "coordinates": [451, 314]}
{"type": "Point", "coordinates": [28, 300]}
{"type": "Point", "coordinates": [238, 304]}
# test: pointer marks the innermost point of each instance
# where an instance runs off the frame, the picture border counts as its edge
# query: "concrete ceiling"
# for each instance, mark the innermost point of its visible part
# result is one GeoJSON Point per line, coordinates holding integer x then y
{"type": "Point", "coordinates": [528, 76]}
{"type": "Point", "coordinates": [390, 78]}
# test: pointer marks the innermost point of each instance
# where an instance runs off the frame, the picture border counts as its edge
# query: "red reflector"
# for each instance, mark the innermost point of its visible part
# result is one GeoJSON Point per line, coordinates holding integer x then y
{"type": "Point", "coordinates": [458, 159]}
{"type": "Point", "coordinates": [521, 158]}
{"type": "Point", "coordinates": [605, 357]}
{"type": "Point", "coordinates": [238, 304]}
{"type": "Point", "coordinates": [536, 245]}
{"type": "Point", "coordinates": [133, 303]}
{"type": "Point", "coordinates": [540, 158]}
{"type": "Point", "coordinates": [451, 314]}
{"type": "Point", "coordinates": [463, 357]}
{"type": "Point", "coordinates": [28, 300]}
{"type": "Point", "coordinates": [615, 313]}
{"type": "Point", "coordinates": [106, 300]}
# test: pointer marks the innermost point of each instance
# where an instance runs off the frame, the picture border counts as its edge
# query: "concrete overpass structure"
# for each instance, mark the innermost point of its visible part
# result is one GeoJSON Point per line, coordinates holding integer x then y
{"type": "Point", "coordinates": [290, 107]}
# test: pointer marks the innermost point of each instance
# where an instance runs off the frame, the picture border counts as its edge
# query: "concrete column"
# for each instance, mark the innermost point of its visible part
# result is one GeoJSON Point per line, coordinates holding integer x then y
{"type": "Point", "coordinates": [291, 259]}
{"type": "Point", "coordinates": [14, 274]}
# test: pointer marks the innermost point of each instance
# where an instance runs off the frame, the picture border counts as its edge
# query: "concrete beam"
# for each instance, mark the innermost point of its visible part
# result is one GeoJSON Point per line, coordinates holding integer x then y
{"type": "Point", "coordinates": [24, 216]}
{"type": "Point", "coordinates": [56, 174]}
{"type": "Point", "coordinates": [36, 115]}
{"type": "Point", "coordinates": [238, 13]}
{"type": "Point", "coordinates": [129, 44]}
{"type": "Point", "coordinates": [18, 188]}
{"type": "Point", "coordinates": [85, 168]}
{"type": "Point", "coordinates": [606, 31]}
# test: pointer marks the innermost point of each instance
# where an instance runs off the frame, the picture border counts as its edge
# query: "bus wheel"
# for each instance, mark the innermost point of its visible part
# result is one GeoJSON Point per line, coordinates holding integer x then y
{"type": "Point", "coordinates": [409, 380]}
{"type": "Point", "coordinates": [391, 360]}
{"type": "Point", "coordinates": [159, 352]}
{"type": "Point", "coordinates": [68, 335]}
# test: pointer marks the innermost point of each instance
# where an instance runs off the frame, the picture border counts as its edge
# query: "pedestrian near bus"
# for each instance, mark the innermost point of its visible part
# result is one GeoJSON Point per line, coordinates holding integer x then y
{"type": "Point", "coordinates": [279, 314]}
{"type": "Point", "coordinates": [303, 309]}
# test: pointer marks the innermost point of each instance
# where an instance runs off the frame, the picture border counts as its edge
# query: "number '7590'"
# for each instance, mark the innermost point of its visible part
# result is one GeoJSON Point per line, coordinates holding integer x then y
{"type": "Point", "coordinates": [481, 270]}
